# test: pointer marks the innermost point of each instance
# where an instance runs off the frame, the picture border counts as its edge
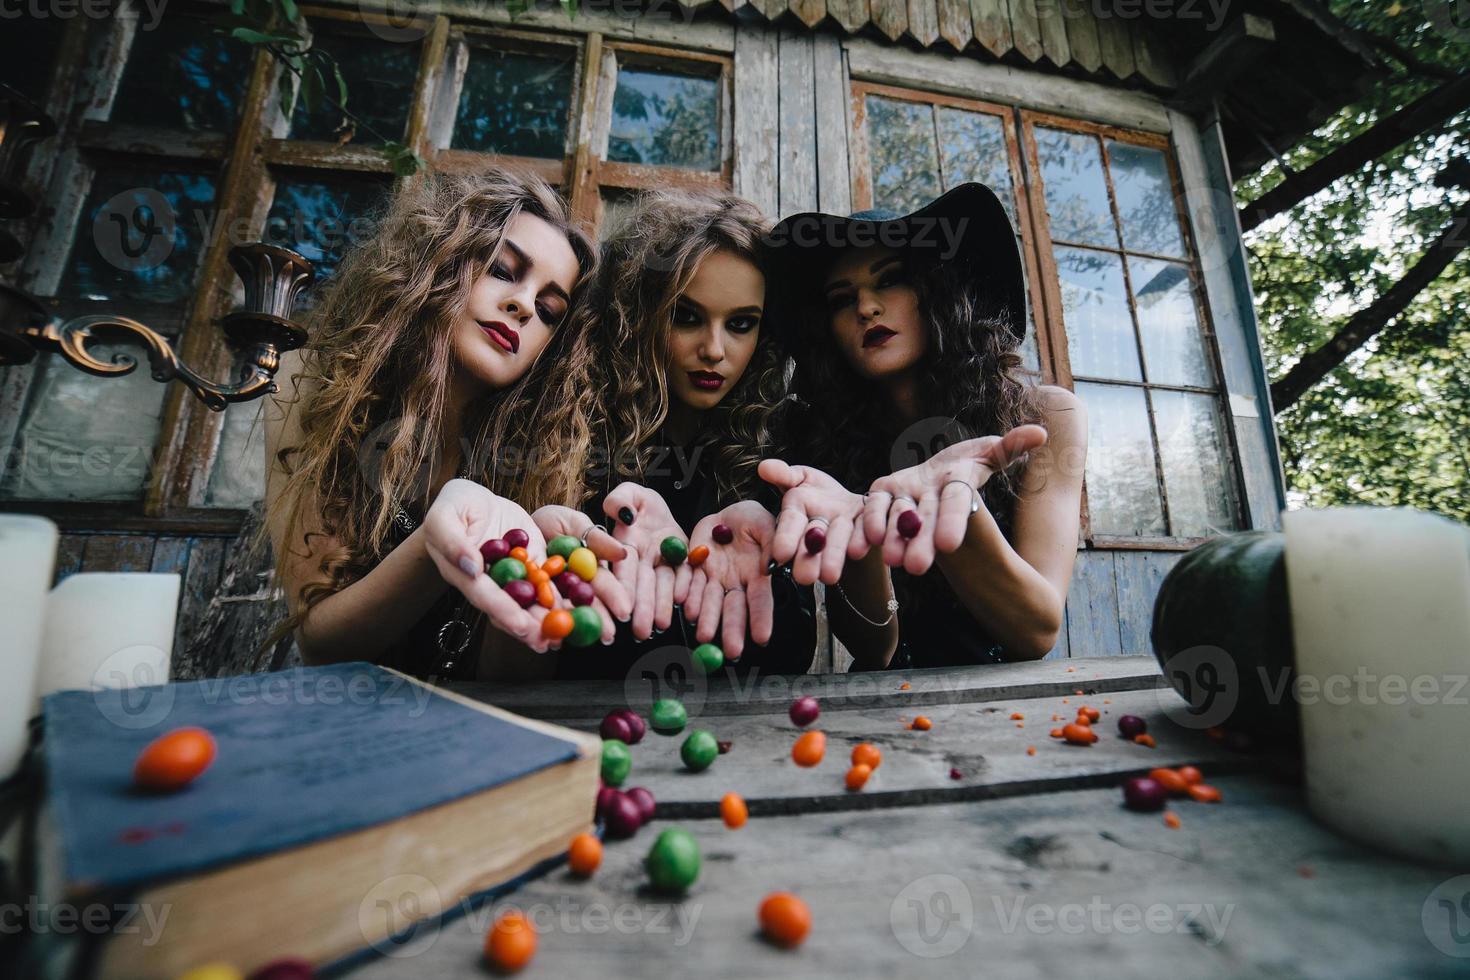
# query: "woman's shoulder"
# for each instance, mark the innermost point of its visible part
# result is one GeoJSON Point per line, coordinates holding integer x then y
{"type": "Point", "coordinates": [1062, 412]}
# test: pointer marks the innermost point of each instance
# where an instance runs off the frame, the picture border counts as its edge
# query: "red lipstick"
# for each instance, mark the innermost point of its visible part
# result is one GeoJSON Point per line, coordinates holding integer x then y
{"type": "Point", "coordinates": [507, 338]}
{"type": "Point", "coordinates": [706, 380]}
{"type": "Point", "coordinates": [877, 336]}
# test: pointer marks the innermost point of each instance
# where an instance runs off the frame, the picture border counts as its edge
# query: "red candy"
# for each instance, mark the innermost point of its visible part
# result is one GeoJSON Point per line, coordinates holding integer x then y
{"type": "Point", "coordinates": [623, 816]}
{"type": "Point", "coordinates": [1142, 793]}
{"type": "Point", "coordinates": [816, 540]}
{"type": "Point", "coordinates": [517, 538]}
{"type": "Point", "coordinates": [646, 803]}
{"type": "Point", "coordinates": [722, 534]}
{"type": "Point", "coordinates": [804, 711]}
{"type": "Point", "coordinates": [615, 727]}
{"type": "Point", "coordinates": [636, 725]}
{"type": "Point", "coordinates": [909, 524]}
{"type": "Point", "coordinates": [494, 550]}
{"type": "Point", "coordinates": [522, 591]}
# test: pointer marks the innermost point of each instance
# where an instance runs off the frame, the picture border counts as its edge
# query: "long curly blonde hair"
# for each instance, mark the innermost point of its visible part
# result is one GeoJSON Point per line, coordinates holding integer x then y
{"type": "Point", "coordinates": [378, 365]}
{"type": "Point", "coordinates": [647, 263]}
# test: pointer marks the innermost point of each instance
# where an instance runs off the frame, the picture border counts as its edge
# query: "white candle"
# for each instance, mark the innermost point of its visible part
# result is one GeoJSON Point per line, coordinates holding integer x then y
{"type": "Point", "coordinates": [27, 563]}
{"type": "Point", "coordinates": [1380, 610]}
{"type": "Point", "coordinates": [108, 630]}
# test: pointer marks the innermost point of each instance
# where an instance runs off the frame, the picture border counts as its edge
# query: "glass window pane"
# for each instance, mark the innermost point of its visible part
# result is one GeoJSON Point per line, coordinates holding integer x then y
{"type": "Point", "coordinates": [140, 235]}
{"type": "Point", "coordinates": [905, 159]}
{"type": "Point", "coordinates": [238, 479]}
{"type": "Point", "coordinates": [1122, 485]}
{"type": "Point", "coordinates": [28, 51]}
{"type": "Point", "coordinates": [514, 103]}
{"type": "Point", "coordinates": [1100, 341]}
{"type": "Point", "coordinates": [667, 119]}
{"type": "Point", "coordinates": [179, 75]}
{"type": "Point", "coordinates": [1173, 346]}
{"type": "Point", "coordinates": [1145, 199]}
{"type": "Point", "coordinates": [380, 78]}
{"type": "Point", "coordinates": [322, 218]}
{"type": "Point", "coordinates": [972, 146]}
{"type": "Point", "coordinates": [1076, 190]}
{"type": "Point", "coordinates": [1193, 452]}
{"type": "Point", "coordinates": [85, 438]}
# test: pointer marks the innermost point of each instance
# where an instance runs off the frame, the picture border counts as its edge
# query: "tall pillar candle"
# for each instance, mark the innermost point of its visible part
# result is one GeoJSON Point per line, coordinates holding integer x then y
{"type": "Point", "coordinates": [27, 563]}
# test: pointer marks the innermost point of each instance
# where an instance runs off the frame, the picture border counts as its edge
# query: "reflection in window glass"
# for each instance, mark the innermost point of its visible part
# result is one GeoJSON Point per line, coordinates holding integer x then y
{"type": "Point", "coordinates": [180, 75]}
{"type": "Point", "coordinates": [1145, 199]}
{"type": "Point", "coordinates": [85, 438]}
{"type": "Point", "coordinates": [1076, 190]}
{"type": "Point", "coordinates": [1192, 450]}
{"type": "Point", "coordinates": [380, 78]}
{"type": "Point", "coordinates": [665, 119]}
{"type": "Point", "coordinates": [1122, 483]}
{"type": "Point", "coordinates": [321, 219]}
{"type": "Point", "coordinates": [1173, 346]}
{"type": "Point", "coordinates": [1100, 340]}
{"type": "Point", "coordinates": [905, 160]}
{"type": "Point", "coordinates": [238, 479]}
{"type": "Point", "coordinates": [140, 235]}
{"type": "Point", "coordinates": [515, 104]}
{"type": "Point", "coordinates": [972, 146]}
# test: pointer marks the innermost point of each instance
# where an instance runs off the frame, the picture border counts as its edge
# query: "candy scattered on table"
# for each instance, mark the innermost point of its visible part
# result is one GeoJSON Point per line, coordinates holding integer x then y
{"type": "Point", "coordinates": [809, 749]}
{"type": "Point", "coordinates": [1203, 793]}
{"type": "Point", "coordinates": [511, 943]}
{"type": "Point", "coordinates": [1144, 794]}
{"type": "Point", "coordinates": [785, 919]}
{"type": "Point", "coordinates": [866, 754]}
{"type": "Point", "coordinates": [909, 524]}
{"type": "Point", "coordinates": [857, 776]}
{"type": "Point", "coordinates": [1145, 740]}
{"type": "Point", "coordinates": [1191, 774]}
{"type": "Point", "coordinates": [922, 723]}
{"type": "Point", "coordinates": [558, 624]}
{"type": "Point", "coordinates": [673, 861]}
{"type": "Point", "coordinates": [1131, 726]}
{"type": "Point", "coordinates": [1016, 716]}
{"type": "Point", "coordinates": [1171, 820]}
{"type": "Point", "coordinates": [174, 759]}
{"type": "Point", "coordinates": [674, 550]}
{"type": "Point", "coordinates": [904, 686]}
{"type": "Point", "coordinates": [617, 761]}
{"type": "Point", "coordinates": [560, 547]}
{"type": "Point", "coordinates": [1030, 750]}
{"type": "Point", "coordinates": [721, 534]}
{"type": "Point", "coordinates": [507, 570]}
{"type": "Point", "coordinates": [585, 855]}
{"type": "Point", "coordinates": [708, 658]}
{"type": "Point", "coordinates": [1170, 780]}
{"type": "Point", "coordinates": [804, 711]}
{"type": "Point", "coordinates": [699, 750]}
{"type": "Point", "coordinates": [724, 745]}
{"type": "Point", "coordinates": [615, 726]}
{"type": "Point", "coordinates": [668, 716]}
{"type": "Point", "coordinates": [954, 773]}
{"type": "Point", "coordinates": [586, 627]}
{"type": "Point", "coordinates": [1078, 734]}
{"type": "Point", "coordinates": [583, 564]}
{"type": "Point", "coordinates": [605, 796]}
{"type": "Point", "coordinates": [622, 816]}
{"type": "Point", "coordinates": [1092, 714]}
{"type": "Point", "coordinates": [643, 797]}
{"type": "Point", "coordinates": [698, 556]}
{"type": "Point", "coordinates": [733, 811]}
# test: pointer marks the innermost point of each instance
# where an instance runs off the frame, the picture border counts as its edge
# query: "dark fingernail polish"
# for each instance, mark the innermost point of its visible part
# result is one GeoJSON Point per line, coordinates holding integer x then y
{"type": "Point", "coordinates": [626, 516]}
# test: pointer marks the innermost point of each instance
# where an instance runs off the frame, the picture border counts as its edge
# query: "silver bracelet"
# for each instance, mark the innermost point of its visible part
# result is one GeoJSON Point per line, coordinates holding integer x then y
{"type": "Point", "coordinates": [892, 606]}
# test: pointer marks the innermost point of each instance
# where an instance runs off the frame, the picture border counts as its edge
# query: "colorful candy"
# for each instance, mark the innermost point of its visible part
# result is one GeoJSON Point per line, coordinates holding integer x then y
{"type": "Point", "coordinates": [698, 555]}
{"type": "Point", "coordinates": [585, 855]}
{"type": "Point", "coordinates": [721, 534]}
{"type": "Point", "coordinates": [557, 624]}
{"type": "Point", "coordinates": [545, 595]}
{"type": "Point", "coordinates": [1079, 734]}
{"type": "Point", "coordinates": [586, 627]}
{"type": "Point", "coordinates": [1204, 793]}
{"type": "Point", "coordinates": [668, 716]}
{"type": "Point", "coordinates": [516, 538]}
{"type": "Point", "coordinates": [804, 711]}
{"type": "Point", "coordinates": [858, 775]}
{"type": "Point", "coordinates": [615, 727]}
{"type": "Point", "coordinates": [494, 550]}
{"type": "Point", "coordinates": [785, 919]}
{"type": "Point", "coordinates": [1170, 780]}
{"type": "Point", "coordinates": [617, 761]}
{"type": "Point", "coordinates": [522, 591]}
{"type": "Point", "coordinates": [583, 564]}
{"type": "Point", "coordinates": [733, 811]}
{"type": "Point", "coordinates": [561, 546]}
{"type": "Point", "coordinates": [511, 943]}
{"type": "Point", "coordinates": [580, 593]}
{"type": "Point", "coordinates": [708, 658]}
{"type": "Point", "coordinates": [520, 555]}
{"type": "Point", "coordinates": [698, 750]}
{"type": "Point", "coordinates": [864, 754]}
{"type": "Point", "coordinates": [922, 723]}
{"type": "Point", "coordinates": [809, 749]}
{"type": "Point", "coordinates": [507, 570]}
{"type": "Point", "coordinates": [643, 798]}
{"type": "Point", "coordinates": [673, 861]}
{"type": "Point", "coordinates": [622, 817]}
{"type": "Point", "coordinates": [1131, 726]}
{"type": "Point", "coordinates": [174, 759]}
{"type": "Point", "coordinates": [1144, 794]}
{"type": "Point", "coordinates": [554, 565]}
{"type": "Point", "coordinates": [674, 550]}
{"type": "Point", "coordinates": [635, 724]}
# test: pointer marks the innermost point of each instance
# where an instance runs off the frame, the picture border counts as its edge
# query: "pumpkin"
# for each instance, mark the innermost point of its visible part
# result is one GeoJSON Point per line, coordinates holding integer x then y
{"type": "Point", "coordinates": [1222, 633]}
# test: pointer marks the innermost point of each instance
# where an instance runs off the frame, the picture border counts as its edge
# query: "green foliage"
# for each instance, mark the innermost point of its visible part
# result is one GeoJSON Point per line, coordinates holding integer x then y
{"type": "Point", "coordinates": [1389, 426]}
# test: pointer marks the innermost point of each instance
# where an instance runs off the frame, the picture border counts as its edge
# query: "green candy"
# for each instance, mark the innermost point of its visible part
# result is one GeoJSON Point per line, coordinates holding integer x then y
{"type": "Point", "coordinates": [708, 657]}
{"type": "Point", "coordinates": [563, 545]}
{"type": "Point", "coordinates": [674, 550]}
{"type": "Point", "coordinates": [507, 570]}
{"type": "Point", "coordinates": [673, 861]}
{"type": "Point", "coordinates": [668, 716]}
{"type": "Point", "coordinates": [617, 762]}
{"type": "Point", "coordinates": [586, 627]}
{"type": "Point", "coordinates": [699, 750]}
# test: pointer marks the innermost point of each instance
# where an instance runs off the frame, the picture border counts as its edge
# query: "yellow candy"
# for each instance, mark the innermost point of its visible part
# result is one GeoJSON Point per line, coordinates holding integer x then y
{"type": "Point", "coordinates": [583, 564]}
{"type": "Point", "coordinates": [213, 971]}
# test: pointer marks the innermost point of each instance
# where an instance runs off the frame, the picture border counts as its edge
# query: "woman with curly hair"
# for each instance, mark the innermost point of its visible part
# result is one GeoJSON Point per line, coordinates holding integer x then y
{"type": "Point", "coordinates": [909, 328]}
{"type": "Point", "coordinates": [690, 372]}
{"type": "Point", "coordinates": [444, 392]}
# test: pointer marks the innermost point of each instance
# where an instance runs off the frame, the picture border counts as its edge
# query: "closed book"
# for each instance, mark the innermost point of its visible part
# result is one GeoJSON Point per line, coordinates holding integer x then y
{"type": "Point", "coordinates": [347, 806]}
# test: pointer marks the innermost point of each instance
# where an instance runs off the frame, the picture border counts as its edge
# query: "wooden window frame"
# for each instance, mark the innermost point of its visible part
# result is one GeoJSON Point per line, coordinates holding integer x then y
{"type": "Point", "coordinates": [1043, 283]}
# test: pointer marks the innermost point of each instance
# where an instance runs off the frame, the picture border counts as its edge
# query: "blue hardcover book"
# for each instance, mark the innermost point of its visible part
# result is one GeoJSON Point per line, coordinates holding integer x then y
{"type": "Point", "coordinates": [346, 804]}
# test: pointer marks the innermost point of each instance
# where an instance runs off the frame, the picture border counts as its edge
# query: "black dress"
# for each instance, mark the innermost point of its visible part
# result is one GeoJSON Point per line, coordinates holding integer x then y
{"type": "Point", "coordinates": [680, 476]}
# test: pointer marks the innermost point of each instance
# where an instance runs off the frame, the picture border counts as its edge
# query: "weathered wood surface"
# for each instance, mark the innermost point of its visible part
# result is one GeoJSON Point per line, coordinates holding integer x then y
{"type": "Point", "coordinates": [1038, 886]}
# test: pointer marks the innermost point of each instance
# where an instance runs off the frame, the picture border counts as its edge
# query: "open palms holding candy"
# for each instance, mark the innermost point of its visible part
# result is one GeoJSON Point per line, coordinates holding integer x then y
{"type": "Point", "coordinates": [819, 526]}
{"type": "Point", "coordinates": [733, 586]}
{"type": "Point", "coordinates": [613, 600]}
{"type": "Point", "coordinates": [641, 521]}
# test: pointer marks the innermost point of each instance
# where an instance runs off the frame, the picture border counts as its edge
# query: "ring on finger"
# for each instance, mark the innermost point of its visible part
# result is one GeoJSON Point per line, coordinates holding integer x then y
{"type": "Point", "coordinates": [588, 533]}
{"type": "Point", "coordinates": [974, 494]}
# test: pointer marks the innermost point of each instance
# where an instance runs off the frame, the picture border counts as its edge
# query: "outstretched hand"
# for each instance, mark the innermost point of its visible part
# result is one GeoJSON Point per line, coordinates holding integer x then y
{"type": "Point", "coordinates": [641, 521]}
{"type": "Point", "coordinates": [732, 588]}
{"type": "Point", "coordinates": [815, 510]}
{"type": "Point", "coordinates": [613, 600]}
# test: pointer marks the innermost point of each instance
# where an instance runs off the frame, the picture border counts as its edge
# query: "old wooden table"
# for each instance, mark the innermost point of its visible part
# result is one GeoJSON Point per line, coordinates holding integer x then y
{"type": "Point", "coordinates": [1022, 866]}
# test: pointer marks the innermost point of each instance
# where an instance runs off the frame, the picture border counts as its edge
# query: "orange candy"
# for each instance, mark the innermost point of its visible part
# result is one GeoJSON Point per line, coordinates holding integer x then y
{"type": "Point", "coordinates": [922, 723]}
{"type": "Point", "coordinates": [904, 686]}
{"type": "Point", "coordinates": [1030, 750]}
{"type": "Point", "coordinates": [1170, 780]}
{"type": "Point", "coordinates": [1191, 774]}
{"type": "Point", "coordinates": [809, 749]}
{"type": "Point", "coordinates": [1204, 793]}
{"type": "Point", "coordinates": [557, 625]}
{"type": "Point", "coordinates": [520, 555]}
{"type": "Point", "coordinates": [698, 555]}
{"type": "Point", "coordinates": [1016, 716]}
{"type": "Point", "coordinates": [1171, 820]}
{"type": "Point", "coordinates": [585, 855]}
{"type": "Point", "coordinates": [1078, 734]}
{"type": "Point", "coordinates": [1145, 739]}
{"type": "Point", "coordinates": [1092, 714]}
{"type": "Point", "coordinates": [785, 919]}
{"type": "Point", "coordinates": [536, 575]}
{"type": "Point", "coordinates": [733, 811]}
{"type": "Point", "coordinates": [1056, 733]}
{"type": "Point", "coordinates": [554, 566]}
{"type": "Point", "coordinates": [546, 595]}
{"type": "Point", "coordinates": [865, 754]}
{"type": "Point", "coordinates": [174, 759]}
{"type": "Point", "coordinates": [511, 943]}
{"type": "Point", "coordinates": [858, 775]}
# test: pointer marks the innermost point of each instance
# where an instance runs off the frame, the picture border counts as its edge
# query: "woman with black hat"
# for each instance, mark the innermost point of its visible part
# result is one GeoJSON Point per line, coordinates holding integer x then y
{"type": "Point", "coordinates": [907, 332]}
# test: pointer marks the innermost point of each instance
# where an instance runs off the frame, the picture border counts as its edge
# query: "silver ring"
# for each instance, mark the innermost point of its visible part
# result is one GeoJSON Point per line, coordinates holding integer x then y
{"type": "Point", "coordinates": [974, 494]}
{"type": "Point", "coordinates": [586, 533]}
{"type": "Point", "coordinates": [871, 492]}
{"type": "Point", "coordinates": [897, 498]}
{"type": "Point", "coordinates": [824, 522]}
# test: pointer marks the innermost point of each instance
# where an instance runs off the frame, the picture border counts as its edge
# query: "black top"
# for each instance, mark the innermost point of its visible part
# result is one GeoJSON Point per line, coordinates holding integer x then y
{"type": "Point", "coordinates": [680, 476]}
{"type": "Point", "coordinates": [419, 652]}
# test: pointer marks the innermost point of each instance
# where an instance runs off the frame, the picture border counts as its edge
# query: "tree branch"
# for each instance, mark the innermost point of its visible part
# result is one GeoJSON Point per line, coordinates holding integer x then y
{"type": "Point", "coordinates": [1405, 57]}
{"type": "Point", "coordinates": [1419, 116]}
{"type": "Point", "coordinates": [1364, 324]}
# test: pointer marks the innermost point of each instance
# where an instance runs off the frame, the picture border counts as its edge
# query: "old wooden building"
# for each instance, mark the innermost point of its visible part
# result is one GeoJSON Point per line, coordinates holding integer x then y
{"type": "Point", "coordinates": [1111, 128]}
